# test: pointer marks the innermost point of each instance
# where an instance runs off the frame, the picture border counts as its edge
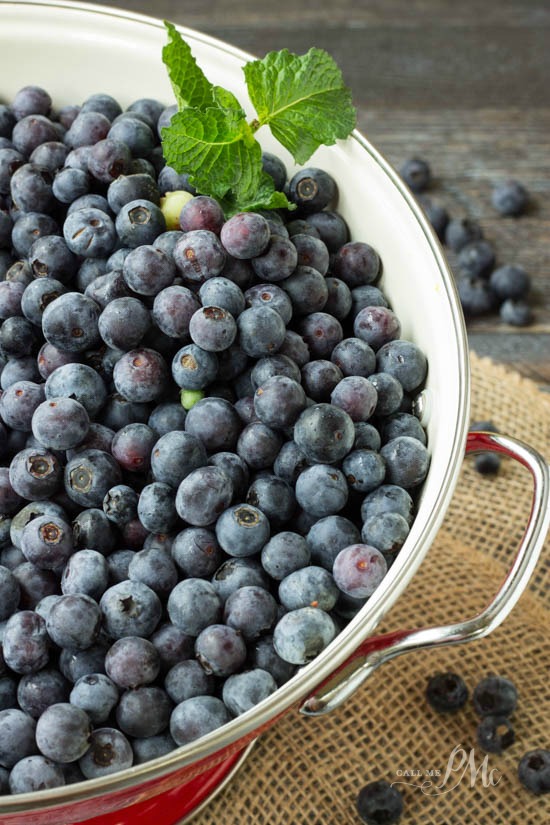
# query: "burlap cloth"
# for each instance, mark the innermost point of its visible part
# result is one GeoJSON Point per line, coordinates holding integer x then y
{"type": "Point", "coordinates": [310, 770]}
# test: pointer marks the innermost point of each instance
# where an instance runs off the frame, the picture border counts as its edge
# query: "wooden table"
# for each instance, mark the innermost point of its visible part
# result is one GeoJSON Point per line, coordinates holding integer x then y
{"type": "Point", "coordinates": [465, 85]}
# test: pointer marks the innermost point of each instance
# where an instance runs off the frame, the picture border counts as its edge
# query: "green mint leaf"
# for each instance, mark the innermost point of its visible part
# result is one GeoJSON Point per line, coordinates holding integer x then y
{"type": "Point", "coordinates": [190, 85]}
{"type": "Point", "coordinates": [264, 196]}
{"type": "Point", "coordinates": [216, 148]}
{"type": "Point", "coordinates": [302, 98]}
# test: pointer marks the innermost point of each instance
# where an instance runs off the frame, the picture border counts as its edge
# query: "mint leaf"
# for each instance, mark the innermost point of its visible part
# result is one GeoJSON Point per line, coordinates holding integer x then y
{"type": "Point", "coordinates": [264, 197]}
{"type": "Point", "coordinates": [216, 148]}
{"type": "Point", "coordinates": [303, 99]}
{"type": "Point", "coordinates": [190, 85]}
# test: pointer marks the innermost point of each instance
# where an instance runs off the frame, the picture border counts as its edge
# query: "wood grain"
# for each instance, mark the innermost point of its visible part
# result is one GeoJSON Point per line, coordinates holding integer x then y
{"type": "Point", "coordinates": [465, 85]}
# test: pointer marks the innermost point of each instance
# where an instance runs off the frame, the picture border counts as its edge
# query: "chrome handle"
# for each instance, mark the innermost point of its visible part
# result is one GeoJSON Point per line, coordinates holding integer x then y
{"type": "Point", "coordinates": [376, 650]}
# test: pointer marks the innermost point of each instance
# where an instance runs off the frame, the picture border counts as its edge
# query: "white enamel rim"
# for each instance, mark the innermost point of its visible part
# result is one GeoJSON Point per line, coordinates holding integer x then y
{"type": "Point", "coordinates": [399, 574]}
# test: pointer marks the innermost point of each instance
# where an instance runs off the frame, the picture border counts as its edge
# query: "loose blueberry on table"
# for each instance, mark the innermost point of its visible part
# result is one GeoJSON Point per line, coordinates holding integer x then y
{"type": "Point", "coordinates": [199, 416]}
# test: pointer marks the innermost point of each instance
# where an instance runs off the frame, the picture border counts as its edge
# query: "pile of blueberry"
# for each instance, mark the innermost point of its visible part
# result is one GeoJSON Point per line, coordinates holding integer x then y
{"type": "Point", "coordinates": [208, 452]}
{"type": "Point", "coordinates": [483, 287]}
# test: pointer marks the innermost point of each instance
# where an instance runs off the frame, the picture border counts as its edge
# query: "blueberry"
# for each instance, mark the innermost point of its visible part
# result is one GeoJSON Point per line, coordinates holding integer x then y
{"type": "Point", "coordinates": [354, 356]}
{"type": "Point", "coordinates": [389, 393]}
{"type": "Point", "coordinates": [376, 325]}
{"type": "Point", "coordinates": [220, 650]}
{"type": "Point", "coordinates": [356, 396]}
{"type": "Point", "coordinates": [17, 736]}
{"type": "Point", "coordinates": [388, 498]}
{"type": "Point", "coordinates": [152, 747]}
{"type": "Point", "coordinates": [494, 734]}
{"type": "Point", "coordinates": [243, 691]}
{"type": "Point", "coordinates": [132, 662]}
{"type": "Point", "coordinates": [30, 226]}
{"type": "Point", "coordinates": [534, 771]}
{"type": "Point", "coordinates": [194, 605]}
{"type": "Point", "coordinates": [242, 530]}
{"type": "Point", "coordinates": [258, 445]}
{"type": "Point", "coordinates": [311, 586]}
{"type": "Point", "coordinates": [238, 572]}
{"type": "Point", "coordinates": [416, 173]}
{"type": "Point", "coordinates": [516, 313]}
{"type": "Point", "coordinates": [203, 495]}
{"type": "Point", "coordinates": [63, 732]}
{"type": "Point", "coordinates": [138, 223]}
{"type": "Point", "coordinates": [47, 542]}
{"type": "Point", "coordinates": [31, 100]}
{"type": "Point", "coordinates": [322, 490]}
{"type": "Point", "coordinates": [476, 296]}
{"type": "Point", "coordinates": [31, 189]}
{"type": "Point", "coordinates": [510, 282]}
{"type": "Point", "coordinates": [275, 167]}
{"type": "Point", "coordinates": [196, 552]}
{"type": "Point", "coordinates": [279, 401]}
{"type": "Point", "coordinates": [300, 635]}
{"type": "Point", "coordinates": [70, 322]}
{"type": "Point", "coordinates": [446, 692]}
{"type": "Point", "coordinates": [284, 553]}
{"type": "Point", "coordinates": [86, 572]}
{"type": "Point", "coordinates": [164, 418]}
{"type": "Point", "coordinates": [339, 301]}
{"type": "Point", "coordinates": [187, 679]}
{"type": "Point", "coordinates": [175, 455]}
{"type": "Point", "coordinates": [18, 403]}
{"type": "Point", "coordinates": [25, 642]}
{"type": "Point", "coordinates": [270, 366]}
{"type": "Point", "coordinates": [11, 295]}
{"type": "Point", "coordinates": [236, 469]}
{"type": "Point", "coordinates": [108, 159]}
{"type": "Point", "coordinates": [148, 270]}
{"type": "Point", "coordinates": [405, 361]}
{"type": "Point", "coordinates": [379, 803]}
{"type": "Point", "coordinates": [319, 378]}
{"type": "Point", "coordinates": [212, 328]}
{"type": "Point", "coordinates": [141, 375]}
{"type": "Point", "coordinates": [356, 263]}
{"type": "Point", "coordinates": [402, 424]}
{"type": "Point", "coordinates": [92, 527]}
{"type": "Point", "coordinates": [495, 696]}
{"type": "Point", "coordinates": [138, 187]}
{"type": "Point", "coordinates": [312, 189]}
{"type": "Point", "coordinates": [364, 470]}
{"type": "Point", "coordinates": [264, 656]}
{"type": "Point", "coordinates": [476, 259]}
{"type": "Point", "coordinates": [324, 433]}
{"type": "Point", "coordinates": [74, 621]}
{"type": "Point", "coordinates": [277, 262]}
{"type": "Point", "coordinates": [330, 226]}
{"type": "Point", "coordinates": [201, 212]}
{"type": "Point", "coordinates": [289, 462]}
{"type": "Point", "coordinates": [358, 570]}
{"type": "Point", "coordinates": [329, 535]}
{"type": "Point", "coordinates": [193, 368]}
{"type": "Point", "coordinates": [307, 289]}
{"type": "Point", "coordinates": [510, 197]}
{"type": "Point", "coordinates": [197, 716]}
{"type": "Point", "coordinates": [156, 507]}
{"type": "Point", "coordinates": [60, 423]}
{"type": "Point", "coordinates": [9, 593]}
{"type": "Point", "coordinates": [109, 751]}
{"type": "Point", "coordinates": [436, 214]}
{"type": "Point", "coordinates": [35, 773]}
{"type": "Point", "coordinates": [144, 711]}
{"type": "Point", "coordinates": [37, 691]}
{"type": "Point", "coordinates": [130, 608]}
{"type": "Point", "coordinates": [35, 473]}
{"type": "Point", "coordinates": [17, 337]}
{"type": "Point", "coordinates": [261, 331]}
{"type": "Point", "coordinates": [89, 476]}
{"type": "Point", "coordinates": [199, 255]}
{"type": "Point", "coordinates": [172, 644]}
{"type": "Point", "coordinates": [273, 496]}
{"type": "Point", "coordinates": [462, 231]}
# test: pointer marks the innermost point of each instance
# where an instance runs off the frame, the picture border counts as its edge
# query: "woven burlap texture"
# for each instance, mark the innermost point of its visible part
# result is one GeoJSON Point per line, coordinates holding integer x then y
{"type": "Point", "coordinates": [310, 770]}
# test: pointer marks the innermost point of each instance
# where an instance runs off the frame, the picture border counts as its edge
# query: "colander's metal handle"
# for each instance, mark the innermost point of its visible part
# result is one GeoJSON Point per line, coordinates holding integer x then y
{"type": "Point", "coordinates": [376, 650]}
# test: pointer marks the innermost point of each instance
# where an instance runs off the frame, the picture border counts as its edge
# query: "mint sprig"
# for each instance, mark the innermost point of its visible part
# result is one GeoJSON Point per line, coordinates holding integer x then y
{"type": "Point", "coordinates": [302, 99]}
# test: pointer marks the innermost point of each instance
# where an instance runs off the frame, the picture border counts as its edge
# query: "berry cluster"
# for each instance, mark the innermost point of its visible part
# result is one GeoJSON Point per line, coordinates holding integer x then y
{"type": "Point", "coordinates": [494, 700]}
{"type": "Point", "coordinates": [209, 457]}
{"type": "Point", "coordinates": [483, 287]}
